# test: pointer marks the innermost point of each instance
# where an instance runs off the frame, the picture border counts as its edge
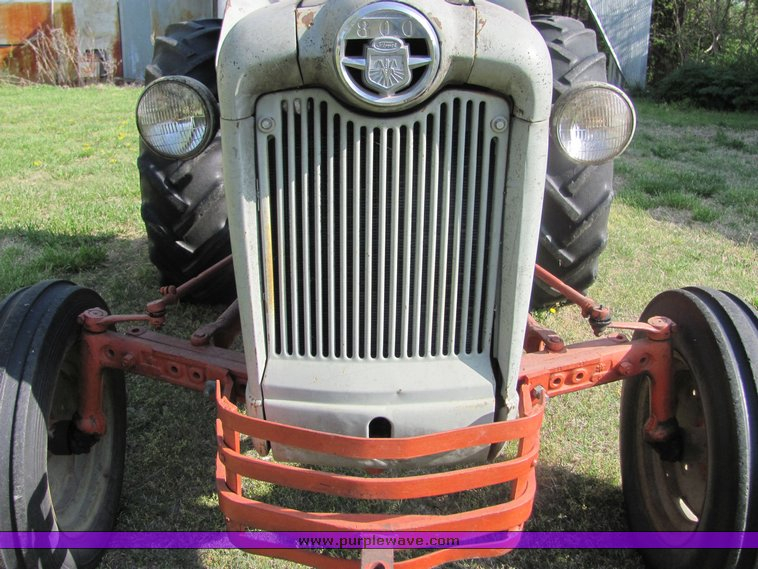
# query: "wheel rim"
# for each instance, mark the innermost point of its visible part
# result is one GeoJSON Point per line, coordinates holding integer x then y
{"type": "Point", "coordinates": [712, 487]}
{"type": "Point", "coordinates": [78, 483]}
{"type": "Point", "coordinates": [675, 492]}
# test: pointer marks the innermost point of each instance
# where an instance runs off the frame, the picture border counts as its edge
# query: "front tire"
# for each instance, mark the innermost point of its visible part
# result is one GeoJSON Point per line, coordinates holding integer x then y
{"type": "Point", "coordinates": [39, 388]}
{"type": "Point", "coordinates": [713, 484]}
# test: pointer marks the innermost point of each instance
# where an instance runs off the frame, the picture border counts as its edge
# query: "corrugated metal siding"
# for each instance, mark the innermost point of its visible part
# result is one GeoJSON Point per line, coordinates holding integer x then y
{"type": "Point", "coordinates": [95, 23]}
{"type": "Point", "coordinates": [97, 26]}
{"type": "Point", "coordinates": [124, 30]}
{"type": "Point", "coordinates": [626, 27]}
{"type": "Point", "coordinates": [142, 21]}
{"type": "Point", "coordinates": [20, 20]}
{"type": "Point", "coordinates": [136, 38]}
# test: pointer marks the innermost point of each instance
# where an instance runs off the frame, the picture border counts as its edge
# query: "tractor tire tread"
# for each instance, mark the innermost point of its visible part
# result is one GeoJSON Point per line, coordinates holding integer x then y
{"type": "Point", "coordinates": [183, 204]}
{"type": "Point", "coordinates": [574, 228]}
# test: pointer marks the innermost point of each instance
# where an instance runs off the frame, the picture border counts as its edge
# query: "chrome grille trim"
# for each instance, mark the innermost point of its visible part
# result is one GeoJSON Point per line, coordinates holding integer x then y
{"type": "Point", "coordinates": [380, 235]}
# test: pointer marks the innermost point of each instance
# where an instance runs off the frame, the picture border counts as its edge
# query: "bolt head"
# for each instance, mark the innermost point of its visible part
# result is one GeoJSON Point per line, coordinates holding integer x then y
{"type": "Point", "coordinates": [499, 124]}
{"type": "Point", "coordinates": [626, 369]}
{"type": "Point", "coordinates": [266, 124]}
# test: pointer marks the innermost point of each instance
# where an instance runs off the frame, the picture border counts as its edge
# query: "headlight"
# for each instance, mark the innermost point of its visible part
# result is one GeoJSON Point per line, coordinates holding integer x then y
{"type": "Point", "coordinates": [593, 123]}
{"type": "Point", "coordinates": [177, 117]}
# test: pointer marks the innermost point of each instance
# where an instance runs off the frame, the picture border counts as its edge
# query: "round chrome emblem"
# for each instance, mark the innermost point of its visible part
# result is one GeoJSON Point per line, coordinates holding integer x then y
{"type": "Point", "coordinates": [387, 53]}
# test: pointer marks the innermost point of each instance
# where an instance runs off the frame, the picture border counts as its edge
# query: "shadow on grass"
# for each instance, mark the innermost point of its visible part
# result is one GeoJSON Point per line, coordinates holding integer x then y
{"type": "Point", "coordinates": [567, 501]}
{"type": "Point", "coordinates": [170, 486]}
{"type": "Point", "coordinates": [29, 255]}
{"type": "Point", "coordinates": [170, 470]}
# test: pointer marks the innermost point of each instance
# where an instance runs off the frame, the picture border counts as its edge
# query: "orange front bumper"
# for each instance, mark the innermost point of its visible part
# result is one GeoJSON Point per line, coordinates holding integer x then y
{"type": "Point", "coordinates": [243, 512]}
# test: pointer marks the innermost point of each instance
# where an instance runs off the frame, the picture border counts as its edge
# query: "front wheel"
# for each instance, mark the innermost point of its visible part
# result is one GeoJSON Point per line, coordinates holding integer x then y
{"type": "Point", "coordinates": [51, 480]}
{"type": "Point", "coordinates": [711, 487]}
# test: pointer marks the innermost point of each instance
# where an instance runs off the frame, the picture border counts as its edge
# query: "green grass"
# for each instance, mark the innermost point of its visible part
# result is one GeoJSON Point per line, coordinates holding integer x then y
{"type": "Point", "coordinates": [69, 208]}
{"type": "Point", "coordinates": [69, 186]}
{"type": "Point", "coordinates": [721, 138]}
{"type": "Point", "coordinates": [694, 166]}
{"type": "Point", "coordinates": [682, 115]}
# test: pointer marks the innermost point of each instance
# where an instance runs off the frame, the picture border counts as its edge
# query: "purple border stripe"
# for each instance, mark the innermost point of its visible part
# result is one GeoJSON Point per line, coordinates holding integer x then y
{"type": "Point", "coordinates": [376, 540]}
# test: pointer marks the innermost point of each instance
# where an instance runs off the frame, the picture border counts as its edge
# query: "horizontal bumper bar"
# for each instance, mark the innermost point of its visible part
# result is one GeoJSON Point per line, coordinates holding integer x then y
{"type": "Point", "coordinates": [243, 512]}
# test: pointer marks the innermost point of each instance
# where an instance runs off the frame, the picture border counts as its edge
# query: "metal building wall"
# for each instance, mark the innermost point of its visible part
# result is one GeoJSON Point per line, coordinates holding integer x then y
{"type": "Point", "coordinates": [20, 20]}
{"type": "Point", "coordinates": [142, 21]}
{"type": "Point", "coordinates": [95, 23]}
{"type": "Point", "coordinates": [126, 29]}
{"type": "Point", "coordinates": [97, 26]}
{"type": "Point", "coordinates": [625, 25]}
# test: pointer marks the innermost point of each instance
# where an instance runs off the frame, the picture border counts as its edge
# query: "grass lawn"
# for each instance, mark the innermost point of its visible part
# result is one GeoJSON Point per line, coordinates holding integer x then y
{"type": "Point", "coordinates": [686, 213]}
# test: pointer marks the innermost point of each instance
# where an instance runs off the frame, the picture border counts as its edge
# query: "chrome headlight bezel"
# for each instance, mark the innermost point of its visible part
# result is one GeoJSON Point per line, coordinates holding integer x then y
{"type": "Point", "coordinates": [593, 123]}
{"type": "Point", "coordinates": [184, 101]}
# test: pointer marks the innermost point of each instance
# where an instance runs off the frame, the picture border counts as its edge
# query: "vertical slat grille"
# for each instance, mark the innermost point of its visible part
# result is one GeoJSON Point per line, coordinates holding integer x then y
{"type": "Point", "coordinates": [381, 236]}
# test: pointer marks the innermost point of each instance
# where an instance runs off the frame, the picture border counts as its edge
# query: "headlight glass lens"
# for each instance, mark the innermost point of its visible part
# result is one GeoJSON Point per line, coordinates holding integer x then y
{"type": "Point", "coordinates": [593, 123]}
{"type": "Point", "coordinates": [176, 117]}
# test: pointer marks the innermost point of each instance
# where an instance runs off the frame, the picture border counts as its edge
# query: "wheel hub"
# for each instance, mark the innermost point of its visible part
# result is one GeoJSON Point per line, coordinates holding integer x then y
{"type": "Point", "coordinates": [64, 438]}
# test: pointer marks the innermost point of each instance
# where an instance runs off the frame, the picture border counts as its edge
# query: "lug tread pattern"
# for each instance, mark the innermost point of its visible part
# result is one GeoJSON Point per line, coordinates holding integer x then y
{"type": "Point", "coordinates": [574, 228]}
{"type": "Point", "coordinates": [183, 204]}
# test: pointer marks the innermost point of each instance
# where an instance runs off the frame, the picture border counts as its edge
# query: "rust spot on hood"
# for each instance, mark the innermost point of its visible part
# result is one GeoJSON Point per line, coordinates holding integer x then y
{"type": "Point", "coordinates": [307, 17]}
{"type": "Point", "coordinates": [481, 23]}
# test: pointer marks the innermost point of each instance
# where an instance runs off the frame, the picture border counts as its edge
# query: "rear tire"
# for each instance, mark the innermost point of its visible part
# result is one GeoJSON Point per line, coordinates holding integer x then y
{"type": "Point", "coordinates": [574, 229]}
{"type": "Point", "coordinates": [712, 486]}
{"type": "Point", "coordinates": [39, 379]}
{"type": "Point", "coordinates": [183, 204]}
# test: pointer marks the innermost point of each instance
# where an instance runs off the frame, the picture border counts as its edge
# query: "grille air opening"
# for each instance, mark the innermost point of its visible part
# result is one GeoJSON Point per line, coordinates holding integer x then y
{"type": "Point", "coordinates": [380, 428]}
{"type": "Point", "coordinates": [275, 248]}
{"type": "Point", "coordinates": [490, 245]}
{"type": "Point", "coordinates": [406, 144]}
{"type": "Point", "coordinates": [298, 220]}
{"type": "Point", "coordinates": [285, 222]}
{"type": "Point", "coordinates": [412, 241]}
{"type": "Point", "coordinates": [337, 267]}
{"type": "Point", "coordinates": [384, 237]}
{"type": "Point", "coordinates": [478, 239]}
{"type": "Point", "coordinates": [463, 245]}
